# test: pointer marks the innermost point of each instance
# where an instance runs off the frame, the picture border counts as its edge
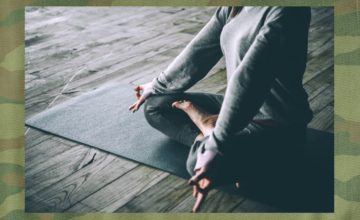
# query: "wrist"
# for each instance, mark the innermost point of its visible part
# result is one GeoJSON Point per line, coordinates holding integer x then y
{"type": "Point", "coordinates": [204, 158]}
{"type": "Point", "coordinates": [205, 155]}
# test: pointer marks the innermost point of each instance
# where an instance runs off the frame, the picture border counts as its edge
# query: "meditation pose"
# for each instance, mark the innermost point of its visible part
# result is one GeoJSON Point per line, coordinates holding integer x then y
{"type": "Point", "coordinates": [265, 109]}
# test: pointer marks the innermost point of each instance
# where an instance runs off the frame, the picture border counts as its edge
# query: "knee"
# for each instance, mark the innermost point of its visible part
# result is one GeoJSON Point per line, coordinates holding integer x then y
{"type": "Point", "coordinates": [150, 109]}
{"type": "Point", "coordinates": [150, 106]}
{"type": "Point", "coordinates": [153, 108]}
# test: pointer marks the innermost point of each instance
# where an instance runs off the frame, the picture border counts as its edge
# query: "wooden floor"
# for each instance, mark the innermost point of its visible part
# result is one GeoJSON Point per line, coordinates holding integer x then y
{"type": "Point", "coordinates": [70, 51]}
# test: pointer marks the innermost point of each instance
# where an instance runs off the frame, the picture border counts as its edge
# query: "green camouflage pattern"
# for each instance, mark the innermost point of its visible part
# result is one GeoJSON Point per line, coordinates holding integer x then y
{"type": "Point", "coordinates": [347, 106]}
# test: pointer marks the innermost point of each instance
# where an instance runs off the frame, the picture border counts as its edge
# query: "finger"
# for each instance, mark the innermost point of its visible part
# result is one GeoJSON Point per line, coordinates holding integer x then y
{"type": "Point", "coordinates": [195, 191]}
{"type": "Point", "coordinates": [199, 200]}
{"type": "Point", "coordinates": [131, 107]}
{"type": "Point", "coordinates": [198, 176]}
{"type": "Point", "coordinates": [202, 189]}
{"type": "Point", "coordinates": [134, 107]}
{"type": "Point", "coordinates": [138, 104]}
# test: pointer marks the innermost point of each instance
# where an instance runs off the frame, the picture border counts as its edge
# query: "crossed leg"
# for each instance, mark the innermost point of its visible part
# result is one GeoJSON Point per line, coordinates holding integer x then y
{"type": "Point", "coordinates": [191, 122]}
{"type": "Point", "coordinates": [183, 121]}
{"type": "Point", "coordinates": [205, 122]}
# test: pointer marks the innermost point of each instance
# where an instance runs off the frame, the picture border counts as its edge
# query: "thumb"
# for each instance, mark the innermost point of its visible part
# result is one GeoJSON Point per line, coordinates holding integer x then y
{"type": "Point", "coordinates": [176, 104]}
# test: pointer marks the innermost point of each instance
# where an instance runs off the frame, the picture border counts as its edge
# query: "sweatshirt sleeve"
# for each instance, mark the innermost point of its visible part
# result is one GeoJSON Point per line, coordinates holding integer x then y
{"type": "Point", "coordinates": [252, 79]}
{"type": "Point", "coordinates": [196, 60]}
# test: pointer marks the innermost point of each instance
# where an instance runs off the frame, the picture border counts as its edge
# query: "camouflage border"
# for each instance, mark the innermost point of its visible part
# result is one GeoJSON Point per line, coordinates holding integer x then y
{"type": "Point", "coordinates": [347, 119]}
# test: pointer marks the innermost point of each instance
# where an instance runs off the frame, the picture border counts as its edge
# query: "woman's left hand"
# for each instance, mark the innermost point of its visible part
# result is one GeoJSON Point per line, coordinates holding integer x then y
{"type": "Point", "coordinates": [204, 180]}
{"type": "Point", "coordinates": [202, 184]}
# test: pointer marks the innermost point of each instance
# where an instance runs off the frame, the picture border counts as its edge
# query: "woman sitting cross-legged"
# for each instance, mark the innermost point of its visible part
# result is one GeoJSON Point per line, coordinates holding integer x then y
{"type": "Point", "coordinates": [265, 106]}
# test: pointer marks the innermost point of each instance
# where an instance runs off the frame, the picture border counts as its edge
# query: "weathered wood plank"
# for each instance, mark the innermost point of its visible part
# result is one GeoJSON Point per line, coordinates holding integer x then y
{"type": "Point", "coordinates": [40, 153]}
{"type": "Point", "coordinates": [161, 197]}
{"type": "Point", "coordinates": [216, 201]}
{"type": "Point", "coordinates": [322, 100]}
{"type": "Point", "coordinates": [79, 207]}
{"type": "Point", "coordinates": [95, 171]}
{"type": "Point", "coordinates": [325, 78]}
{"type": "Point", "coordinates": [55, 168]}
{"type": "Point", "coordinates": [324, 119]}
{"type": "Point", "coordinates": [34, 137]}
{"type": "Point", "coordinates": [122, 190]}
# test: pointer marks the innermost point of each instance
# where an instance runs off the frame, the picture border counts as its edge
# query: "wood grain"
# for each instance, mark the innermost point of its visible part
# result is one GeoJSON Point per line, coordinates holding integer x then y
{"type": "Point", "coordinates": [124, 189]}
{"type": "Point", "coordinates": [93, 172]}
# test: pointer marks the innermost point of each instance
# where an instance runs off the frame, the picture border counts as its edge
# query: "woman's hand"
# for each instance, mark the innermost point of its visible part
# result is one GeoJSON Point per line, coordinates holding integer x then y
{"type": "Point", "coordinates": [142, 92]}
{"type": "Point", "coordinates": [206, 179]}
{"type": "Point", "coordinates": [201, 186]}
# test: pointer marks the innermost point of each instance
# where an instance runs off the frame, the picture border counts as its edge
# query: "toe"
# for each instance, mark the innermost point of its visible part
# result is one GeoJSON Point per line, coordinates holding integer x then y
{"type": "Point", "coordinates": [181, 104]}
{"type": "Point", "coordinates": [175, 104]}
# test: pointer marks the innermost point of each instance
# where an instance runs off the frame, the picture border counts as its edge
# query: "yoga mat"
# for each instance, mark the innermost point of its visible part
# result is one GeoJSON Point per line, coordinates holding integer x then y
{"type": "Point", "coordinates": [101, 119]}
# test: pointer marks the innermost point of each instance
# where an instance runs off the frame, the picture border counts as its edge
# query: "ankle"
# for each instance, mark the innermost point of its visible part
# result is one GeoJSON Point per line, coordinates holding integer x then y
{"type": "Point", "coordinates": [207, 131]}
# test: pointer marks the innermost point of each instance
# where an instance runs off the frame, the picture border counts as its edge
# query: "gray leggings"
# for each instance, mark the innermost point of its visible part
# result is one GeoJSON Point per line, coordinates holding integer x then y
{"type": "Point", "coordinates": [256, 145]}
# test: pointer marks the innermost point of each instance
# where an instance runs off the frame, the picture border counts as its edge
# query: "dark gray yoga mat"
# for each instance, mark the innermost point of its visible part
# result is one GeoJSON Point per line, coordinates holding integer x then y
{"type": "Point", "coordinates": [101, 119]}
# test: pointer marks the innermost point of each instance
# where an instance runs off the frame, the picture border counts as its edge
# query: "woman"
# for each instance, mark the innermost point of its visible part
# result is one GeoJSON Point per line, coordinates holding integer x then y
{"type": "Point", "coordinates": [264, 107]}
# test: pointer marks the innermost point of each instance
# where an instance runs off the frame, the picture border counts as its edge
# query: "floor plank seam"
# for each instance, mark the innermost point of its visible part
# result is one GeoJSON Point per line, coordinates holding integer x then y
{"type": "Point", "coordinates": [149, 189]}
{"type": "Point", "coordinates": [69, 175]}
{"type": "Point", "coordinates": [318, 73]}
{"type": "Point", "coordinates": [30, 147]}
{"type": "Point", "coordinates": [237, 204]}
{"type": "Point", "coordinates": [105, 185]}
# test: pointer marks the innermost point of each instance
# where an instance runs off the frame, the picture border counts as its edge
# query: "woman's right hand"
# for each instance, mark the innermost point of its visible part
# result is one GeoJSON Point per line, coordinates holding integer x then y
{"type": "Point", "coordinates": [142, 92]}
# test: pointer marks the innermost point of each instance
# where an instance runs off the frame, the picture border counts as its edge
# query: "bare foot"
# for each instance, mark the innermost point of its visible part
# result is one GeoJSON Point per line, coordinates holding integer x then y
{"type": "Point", "coordinates": [204, 121]}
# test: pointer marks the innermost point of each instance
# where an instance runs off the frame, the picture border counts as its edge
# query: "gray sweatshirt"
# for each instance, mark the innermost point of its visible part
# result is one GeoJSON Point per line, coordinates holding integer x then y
{"type": "Point", "coordinates": [265, 50]}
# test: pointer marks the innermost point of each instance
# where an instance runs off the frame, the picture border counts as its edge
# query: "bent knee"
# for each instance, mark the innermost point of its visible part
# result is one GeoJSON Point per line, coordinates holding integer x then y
{"type": "Point", "coordinates": [158, 103]}
{"type": "Point", "coordinates": [150, 109]}
{"type": "Point", "coordinates": [149, 105]}
{"type": "Point", "coordinates": [154, 106]}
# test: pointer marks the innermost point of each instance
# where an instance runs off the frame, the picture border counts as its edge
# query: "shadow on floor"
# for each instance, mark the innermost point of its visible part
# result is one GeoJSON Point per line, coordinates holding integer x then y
{"type": "Point", "coordinates": [301, 184]}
